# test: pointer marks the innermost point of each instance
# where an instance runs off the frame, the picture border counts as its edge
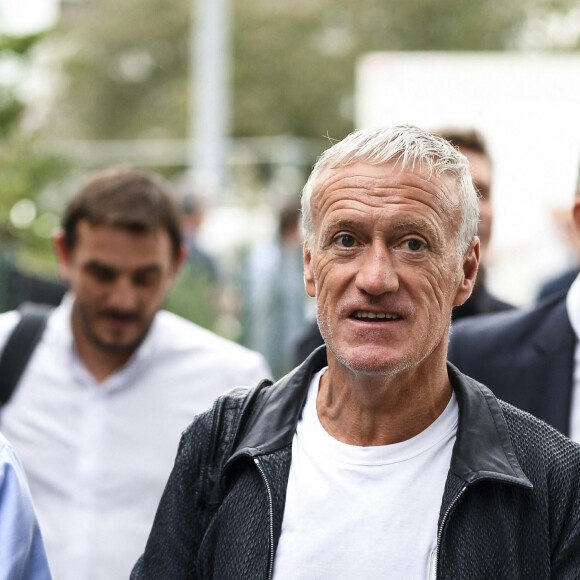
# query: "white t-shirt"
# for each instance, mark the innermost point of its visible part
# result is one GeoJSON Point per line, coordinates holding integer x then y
{"type": "Point", "coordinates": [363, 512]}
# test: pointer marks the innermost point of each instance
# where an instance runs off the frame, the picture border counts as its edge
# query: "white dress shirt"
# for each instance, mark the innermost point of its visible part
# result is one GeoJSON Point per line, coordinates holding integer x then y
{"type": "Point", "coordinates": [97, 456]}
{"type": "Point", "coordinates": [573, 307]}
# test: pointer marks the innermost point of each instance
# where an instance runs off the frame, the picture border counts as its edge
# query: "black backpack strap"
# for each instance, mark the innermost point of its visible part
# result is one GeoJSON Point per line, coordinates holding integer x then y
{"type": "Point", "coordinates": [20, 346]}
{"type": "Point", "coordinates": [228, 418]}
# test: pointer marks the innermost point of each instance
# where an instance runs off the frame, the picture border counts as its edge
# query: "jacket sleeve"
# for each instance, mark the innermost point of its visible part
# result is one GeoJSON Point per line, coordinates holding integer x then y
{"type": "Point", "coordinates": [173, 544]}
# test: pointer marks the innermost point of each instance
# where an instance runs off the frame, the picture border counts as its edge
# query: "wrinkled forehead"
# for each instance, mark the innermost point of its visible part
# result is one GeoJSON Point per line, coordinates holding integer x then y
{"type": "Point", "coordinates": [383, 181]}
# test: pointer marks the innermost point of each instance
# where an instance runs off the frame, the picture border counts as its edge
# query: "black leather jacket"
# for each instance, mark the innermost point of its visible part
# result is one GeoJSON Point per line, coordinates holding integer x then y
{"type": "Point", "coordinates": [510, 509]}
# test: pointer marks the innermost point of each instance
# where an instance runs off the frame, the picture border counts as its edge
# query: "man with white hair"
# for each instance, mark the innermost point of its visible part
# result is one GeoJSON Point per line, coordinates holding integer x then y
{"type": "Point", "coordinates": [374, 458]}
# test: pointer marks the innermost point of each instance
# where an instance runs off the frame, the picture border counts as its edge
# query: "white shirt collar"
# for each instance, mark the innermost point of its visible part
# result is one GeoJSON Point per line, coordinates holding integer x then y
{"type": "Point", "coordinates": [573, 306]}
{"type": "Point", "coordinates": [60, 321]}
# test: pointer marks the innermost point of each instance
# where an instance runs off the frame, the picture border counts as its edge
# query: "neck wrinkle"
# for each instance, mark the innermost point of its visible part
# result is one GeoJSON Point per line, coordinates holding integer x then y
{"type": "Point", "coordinates": [380, 411]}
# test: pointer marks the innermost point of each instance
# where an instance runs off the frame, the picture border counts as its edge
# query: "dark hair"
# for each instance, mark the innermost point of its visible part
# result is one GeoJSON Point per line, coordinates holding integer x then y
{"type": "Point", "coordinates": [288, 219]}
{"type": "Point", "coordinates": [467, 138]}
{"type": "Point", "coordinates": [127, 198]}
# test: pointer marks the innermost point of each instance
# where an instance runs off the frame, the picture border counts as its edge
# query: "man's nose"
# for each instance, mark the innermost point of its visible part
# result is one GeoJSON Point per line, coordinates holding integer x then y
{"type": "Point", "coordinates": [377, 274]}
{"type": "Point", "coordinates": [123, 295]}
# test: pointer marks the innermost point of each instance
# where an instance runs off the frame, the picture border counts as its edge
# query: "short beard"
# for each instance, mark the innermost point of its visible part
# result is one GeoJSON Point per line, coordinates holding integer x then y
{"type": "Point", "coordinates": [107, 347]}
{"type": "Point", "coordinates": [366, 368]}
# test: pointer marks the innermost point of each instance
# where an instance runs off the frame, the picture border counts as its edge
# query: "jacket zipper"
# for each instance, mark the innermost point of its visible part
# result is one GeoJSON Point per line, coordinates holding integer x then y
{"type": "Point", "coordinates": [271, 517]}
{"type": "Point", "coordinates": [435, 556]}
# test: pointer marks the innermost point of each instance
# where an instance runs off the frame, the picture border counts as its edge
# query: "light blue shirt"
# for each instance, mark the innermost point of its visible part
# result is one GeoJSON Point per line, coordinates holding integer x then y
{"type": "Point", "coordinates": [22, 555]}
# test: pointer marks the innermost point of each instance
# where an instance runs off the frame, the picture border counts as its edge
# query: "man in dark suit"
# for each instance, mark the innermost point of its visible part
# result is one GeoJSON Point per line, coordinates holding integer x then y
{"type": "Point", "coordinates": [526, 357]}
{"type": "Point", "coordinates": [529, 357]}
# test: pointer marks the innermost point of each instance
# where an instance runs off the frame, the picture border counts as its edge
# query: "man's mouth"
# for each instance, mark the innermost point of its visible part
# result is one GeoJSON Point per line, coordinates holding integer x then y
{"type": "Point", "coordinates": [374, 316]}
{"type": "Point", "coordinates": [120, 317]}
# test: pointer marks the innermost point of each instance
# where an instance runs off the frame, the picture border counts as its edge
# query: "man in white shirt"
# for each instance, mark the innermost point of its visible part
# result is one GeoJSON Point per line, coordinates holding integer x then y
{"type": "Point", "coordinates": [114, 380]}
{"type": "Point", "coordinates": [374, 458]}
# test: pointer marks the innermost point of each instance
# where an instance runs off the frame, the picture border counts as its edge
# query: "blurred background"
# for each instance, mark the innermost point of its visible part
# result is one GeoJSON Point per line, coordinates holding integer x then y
{"type": "Point", "coordinates": [233, 101]}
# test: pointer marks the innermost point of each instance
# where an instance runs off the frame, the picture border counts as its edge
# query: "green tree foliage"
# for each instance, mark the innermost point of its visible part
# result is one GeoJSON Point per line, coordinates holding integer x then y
{"type": "Point", "coordinates": [126, 77]}
{"type": "Point", "coordinates": [26, 169]}
{"type": "Point", "coordinates": [293, 67]}
{"type": "Point", "coordinates": [293, 62]}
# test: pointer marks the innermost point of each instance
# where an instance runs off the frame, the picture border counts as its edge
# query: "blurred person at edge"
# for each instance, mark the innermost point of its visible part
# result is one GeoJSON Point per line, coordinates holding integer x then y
{"type": "Point", "coordinates": [22, 554]}
{"type": "Point", "coordinates": [196, 292]}
{"type": "Point", "coordinates": [192, 216]}
{"type": "Point", "coordinates": [374, 458]}
{"type": "Point", "coordinates": [530, 357]}
{"type": "Point", "coordinates": [274, 301]}
{"type": "Point", "coordinates": [472, 144]}
{"type": "Point", "coordinates": [114, 380]}
{"type": "Point", "coordinates": [564, 222]}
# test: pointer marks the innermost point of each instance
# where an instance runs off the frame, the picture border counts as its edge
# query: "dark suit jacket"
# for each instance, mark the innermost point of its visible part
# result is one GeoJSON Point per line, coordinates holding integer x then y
{"type": "Point", "coordinates": [526, 357]}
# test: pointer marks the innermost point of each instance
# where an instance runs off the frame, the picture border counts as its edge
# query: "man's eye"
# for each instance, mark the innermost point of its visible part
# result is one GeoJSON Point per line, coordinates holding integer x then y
{"type": "Point", "coordinates": [147, 276]}
{"type": "Point", "coordinates": [101, 274]}
{"type": "Point", "coordinates": [414, 245]}
{"type": "Point", "coordinates": [145, 279]}
{"type": "Point", "coordinates": [345, 241]}
{"type": "Point", "coordinates": [483, 191]}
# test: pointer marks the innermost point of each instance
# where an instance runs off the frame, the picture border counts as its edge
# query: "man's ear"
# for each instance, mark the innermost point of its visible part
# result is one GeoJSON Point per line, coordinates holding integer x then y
{"type": "Point", "coordinates": [309, 282]}
{"type": "Point", "coordinates": [181, 256]}
{"type": "Point", "coordinates": [469, 272]}
{"type": "Point", "coordinates": [576, 215]}
{"type": "Point", "coordinates": [175, 265]}
{"type": "Point", "coordinates": [63, 254]}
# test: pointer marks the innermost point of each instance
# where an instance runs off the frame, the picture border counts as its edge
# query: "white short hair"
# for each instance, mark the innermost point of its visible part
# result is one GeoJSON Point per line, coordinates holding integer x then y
{"type": "Point", "coordinates": [411, 147]}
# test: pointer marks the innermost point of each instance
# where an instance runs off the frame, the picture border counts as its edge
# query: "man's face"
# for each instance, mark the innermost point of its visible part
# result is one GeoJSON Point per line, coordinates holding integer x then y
{"type": "Point", "coordinates": [384, 267]}
{"type": "Point", "coordinates": [119, 279]}
{"type": "Point", "coordinates": [481, 174]}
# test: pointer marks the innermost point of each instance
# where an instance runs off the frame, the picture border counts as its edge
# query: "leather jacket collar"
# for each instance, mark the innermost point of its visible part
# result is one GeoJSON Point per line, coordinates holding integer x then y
{"type": "Point", "coordinates": [482, 450]}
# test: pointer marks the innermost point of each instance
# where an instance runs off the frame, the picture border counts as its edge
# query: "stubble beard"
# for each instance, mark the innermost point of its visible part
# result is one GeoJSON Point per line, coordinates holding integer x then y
{"type": "Point", "coordinates": [378, 366]}
{"type": "Point", "coordinates": [87, 322]}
